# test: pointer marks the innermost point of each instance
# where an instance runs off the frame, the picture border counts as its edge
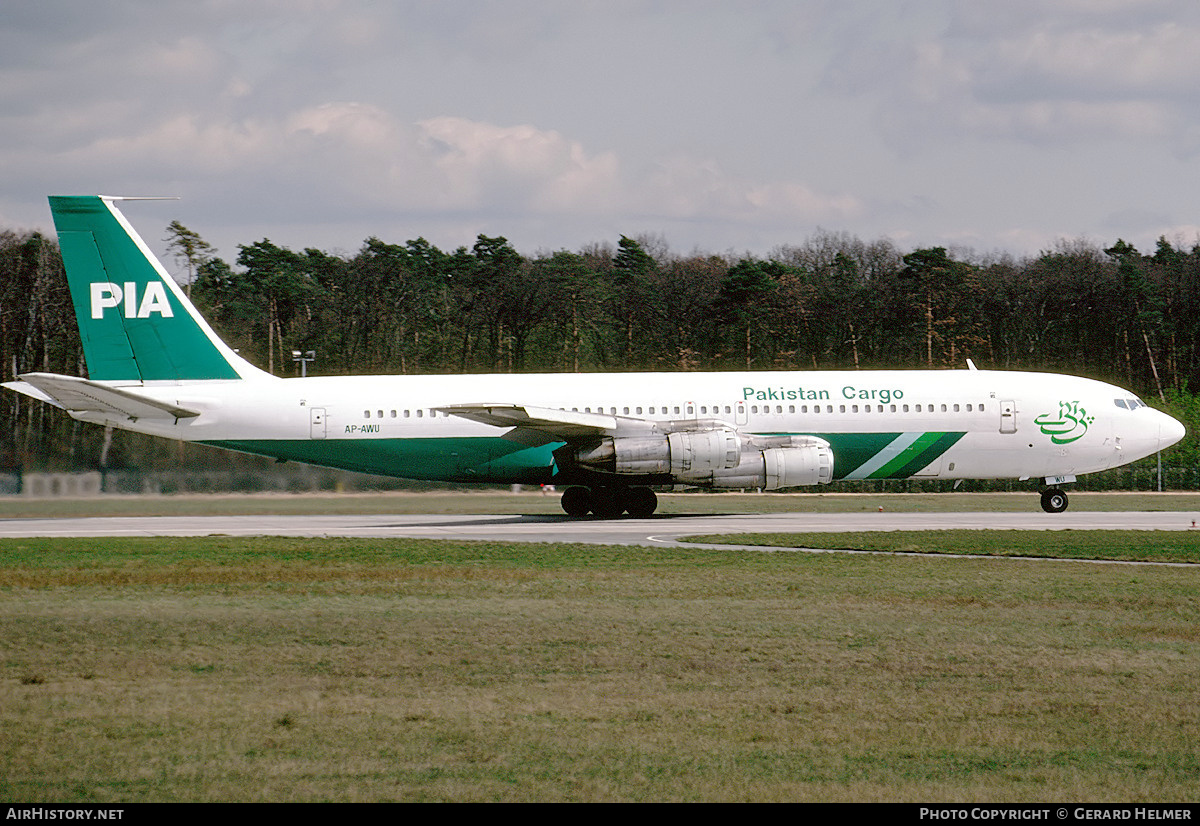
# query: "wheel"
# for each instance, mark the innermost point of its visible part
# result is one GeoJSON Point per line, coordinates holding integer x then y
{"type": "Point", "coordinates": [607, 503]}
{"type": "Point", "coordinates": [1054, 500]}
{"type": "Point", "coordinates": [640, 502]}
{"type": "Point", "coordinates": [577, 501]}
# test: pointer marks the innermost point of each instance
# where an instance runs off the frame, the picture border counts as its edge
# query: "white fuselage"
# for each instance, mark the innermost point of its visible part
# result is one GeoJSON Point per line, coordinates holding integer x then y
{"type": "Point", "coordinates": [992, 424]}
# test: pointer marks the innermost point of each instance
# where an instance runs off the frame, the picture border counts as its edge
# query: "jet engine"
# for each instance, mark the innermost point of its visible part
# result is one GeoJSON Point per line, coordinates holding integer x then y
{"type": "Point", "coordinates": [803, 462]}
{"type": "Point", "coordinates": [719, 458]}
{"type": "Point", "coordinates": [687, 455]}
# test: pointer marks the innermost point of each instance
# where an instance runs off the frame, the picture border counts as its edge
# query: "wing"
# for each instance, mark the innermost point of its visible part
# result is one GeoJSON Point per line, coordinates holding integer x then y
{"type": "Point", "coordinates": [77, 395]}
{"type": "Point", "coordinates": [534, 426]}
{"type": "Point", "coordinates": [540, 425]}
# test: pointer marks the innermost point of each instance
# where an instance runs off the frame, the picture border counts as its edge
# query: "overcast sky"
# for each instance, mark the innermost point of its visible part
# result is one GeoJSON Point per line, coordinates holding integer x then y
{"type": "Point", "coordinates": [721, 126]}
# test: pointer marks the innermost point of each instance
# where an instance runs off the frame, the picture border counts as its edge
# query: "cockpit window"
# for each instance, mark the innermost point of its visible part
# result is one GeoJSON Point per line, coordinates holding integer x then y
{"type": "Point", "coordinates": [1129, 404]}
{"type": "Point", "coordinates": [1121, 404]}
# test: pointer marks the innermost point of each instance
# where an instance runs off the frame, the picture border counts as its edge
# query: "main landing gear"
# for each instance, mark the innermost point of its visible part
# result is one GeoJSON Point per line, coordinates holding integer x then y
{"type": "Point", "coordinates": [1054, 500]}
{"type": "Point", "coordinates": [609, 503]}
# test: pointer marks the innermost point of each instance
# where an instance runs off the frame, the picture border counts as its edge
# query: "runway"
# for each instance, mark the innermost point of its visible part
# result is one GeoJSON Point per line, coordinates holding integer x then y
{"type": "Point", "coordinates": [656, 531]}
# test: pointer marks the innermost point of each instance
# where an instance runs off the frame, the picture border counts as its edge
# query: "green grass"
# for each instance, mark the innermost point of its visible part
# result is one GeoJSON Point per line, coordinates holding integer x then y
{"type": "Point", "coordinates": [1134, 546]}
{"type": "Point", "coordinates": [338, 669]}
{"type": "Point", "coordinates": [533, 502]}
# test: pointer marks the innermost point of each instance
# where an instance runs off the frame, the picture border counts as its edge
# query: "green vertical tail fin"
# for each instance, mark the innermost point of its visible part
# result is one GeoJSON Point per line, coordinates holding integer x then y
{"type": "Point", "coordinates": [135, 322]}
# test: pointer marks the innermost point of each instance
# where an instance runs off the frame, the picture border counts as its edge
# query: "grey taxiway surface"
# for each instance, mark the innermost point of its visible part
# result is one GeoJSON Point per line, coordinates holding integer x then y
{"type": "Point", "coordinates": [659, 530]}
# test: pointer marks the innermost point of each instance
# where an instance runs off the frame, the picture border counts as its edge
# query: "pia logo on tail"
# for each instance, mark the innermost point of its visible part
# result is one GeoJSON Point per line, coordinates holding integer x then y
{"type": "Point", "coordinates": [125, 299]}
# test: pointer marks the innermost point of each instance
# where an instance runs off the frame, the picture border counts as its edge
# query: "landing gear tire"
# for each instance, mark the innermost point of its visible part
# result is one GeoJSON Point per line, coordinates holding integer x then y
{"type": "Point", "coordinates": [1054, 500]}
{"type": "Point", "coordinates": [608, 503]}
{"type": "Point", "coordinates": [577, 501]}
{"type": "Point", "coordinates": [640, 502]}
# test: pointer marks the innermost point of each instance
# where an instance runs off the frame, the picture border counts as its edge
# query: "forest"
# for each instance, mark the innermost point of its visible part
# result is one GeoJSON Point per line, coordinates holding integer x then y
{"type": "Point", "coordinates": [831, 301]}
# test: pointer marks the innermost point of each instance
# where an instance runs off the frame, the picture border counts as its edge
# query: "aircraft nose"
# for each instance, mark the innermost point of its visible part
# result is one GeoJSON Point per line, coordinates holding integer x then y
{"type": "Point", "coordinates": [1170, 431]}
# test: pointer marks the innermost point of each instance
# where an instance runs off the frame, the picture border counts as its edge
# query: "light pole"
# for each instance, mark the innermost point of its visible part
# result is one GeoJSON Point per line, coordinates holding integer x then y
{"type": "Point", "coordinates": [304, 358]}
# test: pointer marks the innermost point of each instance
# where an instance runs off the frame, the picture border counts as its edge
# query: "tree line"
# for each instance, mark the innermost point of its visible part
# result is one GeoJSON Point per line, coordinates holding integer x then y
{"type": "Point", "coordinates": [832, 301]}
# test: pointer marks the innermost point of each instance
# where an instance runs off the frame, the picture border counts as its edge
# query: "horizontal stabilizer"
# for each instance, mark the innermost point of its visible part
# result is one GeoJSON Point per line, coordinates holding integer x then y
{"type": "Point", "coordinates": [77, 395]}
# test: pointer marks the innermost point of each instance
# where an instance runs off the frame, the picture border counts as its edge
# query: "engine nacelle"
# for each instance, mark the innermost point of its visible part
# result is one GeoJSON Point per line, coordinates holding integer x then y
{"type": "Point", "coordinates": [715, 457]}
{"type": "Point", "coordinates": [804, 462]}
{"type": "Point", "coordinates": [688, 455]}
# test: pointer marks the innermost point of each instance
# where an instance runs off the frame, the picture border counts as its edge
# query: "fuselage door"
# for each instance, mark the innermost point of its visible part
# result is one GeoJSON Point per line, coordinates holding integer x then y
{"type": "Point", "coordinates": [739, 414]}
{"type": "Point", "coordinates": [1008, 417]}
{"type": "Point", "coordinates": [316, 422]}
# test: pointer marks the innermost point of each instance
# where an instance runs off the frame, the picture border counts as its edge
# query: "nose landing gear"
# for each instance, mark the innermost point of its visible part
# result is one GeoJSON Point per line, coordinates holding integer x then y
{"type": "Point", "coordinates": [1054, 500]}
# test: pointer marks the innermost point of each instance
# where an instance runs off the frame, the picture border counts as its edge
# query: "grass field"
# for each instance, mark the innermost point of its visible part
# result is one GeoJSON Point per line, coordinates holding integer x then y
{"type": "Point", "coordinates": [290, 670]}
{"type": "Point", "coordinates": [533, 502]}
{"type": "Point", "coordinates": [1128, 546]}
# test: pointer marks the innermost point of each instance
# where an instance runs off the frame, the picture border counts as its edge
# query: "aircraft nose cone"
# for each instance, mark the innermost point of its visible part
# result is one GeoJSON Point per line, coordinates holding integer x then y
{"type": "Point", "coordinates": [1170, 431]}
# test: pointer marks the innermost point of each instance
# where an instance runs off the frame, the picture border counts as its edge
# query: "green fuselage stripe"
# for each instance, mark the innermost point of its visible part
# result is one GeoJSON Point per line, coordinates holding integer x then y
{"type": "Point", "coordinates": [920, 454]}
{"type": "Point", "coordinates": [451, 459]}
{"type": "Point", "coordinates": [492, 459]}
{"type": "Point", "coordinates": [886, 455]}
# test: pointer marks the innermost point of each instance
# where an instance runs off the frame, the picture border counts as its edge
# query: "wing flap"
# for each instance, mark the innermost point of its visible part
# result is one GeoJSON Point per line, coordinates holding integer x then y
{"type": "Point", "coordinates": [77, 395]}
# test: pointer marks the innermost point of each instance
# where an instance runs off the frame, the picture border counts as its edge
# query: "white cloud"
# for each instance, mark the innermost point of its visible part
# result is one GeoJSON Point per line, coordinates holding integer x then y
{"type": "Point", "coordinates": [535, 168]}
{"type": "Point", "coordinates": [1159, 61]}
{"type": "Point", "coordinates": [344, 153]}
{"type": "Point", "coordinates": [1033, 72]}
{"type": "Point", "coordinates": [720, 126]}
{"type": "Point", "coordinates": [686, 188]}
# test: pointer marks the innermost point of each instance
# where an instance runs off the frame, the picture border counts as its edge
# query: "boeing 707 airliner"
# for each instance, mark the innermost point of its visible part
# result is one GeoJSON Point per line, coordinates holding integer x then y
{"type": "Point", "coordinates": [155, 366]}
